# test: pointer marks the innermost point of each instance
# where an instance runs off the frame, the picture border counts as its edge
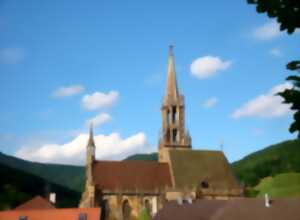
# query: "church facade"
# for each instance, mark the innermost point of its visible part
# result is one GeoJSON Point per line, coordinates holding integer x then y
{"type": "Point", "coordinates": [123, 188]}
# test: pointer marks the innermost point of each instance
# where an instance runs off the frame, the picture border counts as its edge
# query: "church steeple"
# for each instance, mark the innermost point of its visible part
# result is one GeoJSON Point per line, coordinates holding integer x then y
{"type": "Point", "coordinates": [173, 134]}
{"type": "Point", "coordinates": [172, 93]}
{"type": "Point", "coordinates": [90, 155]}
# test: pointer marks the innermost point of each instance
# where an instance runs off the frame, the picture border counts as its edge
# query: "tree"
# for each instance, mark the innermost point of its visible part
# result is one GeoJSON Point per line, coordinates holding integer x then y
{"type": "Point", "coordinates": [287, 13]}
{"type": "Point", "coordinates": [292, 96]}
{"type": "Point", "coordinates": [144, 215]}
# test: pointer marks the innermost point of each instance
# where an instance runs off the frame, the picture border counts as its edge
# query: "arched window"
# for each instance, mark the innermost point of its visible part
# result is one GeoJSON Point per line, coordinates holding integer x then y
{"type": "Point", "coordinates": [148, 206]}
{"type": "Point", "coordinates": [126, 210]}
{"type": "Point", "coordinates": [104, 209]}
{"type": "Point", "coordinates": [168, 117]}
{"type": "Point", "coordinates": [175, 135]}
{"type": "Point", "coordinates": [174, 114]}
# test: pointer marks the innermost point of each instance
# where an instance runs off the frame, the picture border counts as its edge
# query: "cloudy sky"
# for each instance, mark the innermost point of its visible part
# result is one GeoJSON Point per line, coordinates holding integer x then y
{"type": "Point", "coordinates": [65, 64]}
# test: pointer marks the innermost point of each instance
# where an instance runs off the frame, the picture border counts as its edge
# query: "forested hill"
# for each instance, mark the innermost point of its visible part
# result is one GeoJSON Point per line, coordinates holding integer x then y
{"type": "Point", "coordinates": [68, 176]}
{"type": "Point", "coordinates": [17, 186]}
{"type": "Point", "coordinates": [275, 159]}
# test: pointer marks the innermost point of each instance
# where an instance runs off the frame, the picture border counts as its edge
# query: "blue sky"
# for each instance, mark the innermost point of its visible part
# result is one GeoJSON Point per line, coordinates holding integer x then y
{"type": "Point", "coordinates": [64, 63]}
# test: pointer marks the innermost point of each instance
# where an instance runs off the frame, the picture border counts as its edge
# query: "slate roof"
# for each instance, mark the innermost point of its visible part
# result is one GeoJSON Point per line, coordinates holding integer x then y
{"type": "Point", "coordinates": [191, 167]}
{"type": "Point", "coordinates": [131, 176]}
{"type": "Point", "coordinates": [52, 214]}
{"type": "Point", "coordinates": [37, 202]}
{"type": "Point", "coordinates": [235, 209]}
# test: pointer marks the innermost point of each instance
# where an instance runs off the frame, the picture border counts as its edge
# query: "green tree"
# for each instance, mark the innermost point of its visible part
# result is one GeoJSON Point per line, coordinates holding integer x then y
{"type": "Point", "coordinates": [287, 13]}
{"type": "Point", "coordinates": [144, 215]}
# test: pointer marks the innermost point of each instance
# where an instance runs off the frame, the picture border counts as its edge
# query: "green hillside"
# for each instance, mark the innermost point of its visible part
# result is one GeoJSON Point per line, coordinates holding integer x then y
{"type": "Point", "coordinates": [145, 157]}
{"type": "Point", "coordinates": [275, 159]}
{"type": "Point", "coordinates": [282, 185]}
{"type": "Point", "coordinates": [68, 176]}
{"type": "Point", "coordinates": [18, 186]}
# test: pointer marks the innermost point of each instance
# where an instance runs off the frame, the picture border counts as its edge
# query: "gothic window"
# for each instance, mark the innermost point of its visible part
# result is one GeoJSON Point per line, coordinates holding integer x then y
{"type": "Point", "coordinates": [168, 117]}
{"type": "Point", "coordinates": [175, 135]}
{"type": "Point", "coordinates": [174, 114]}
{"type": "Point", "coordinates": [104, 209]}
{"type": "Point", "coordinates": [126, 210]}
{"type": "Point", "coordinates": [168, 136]}
{"type": "Point", "coordinates": [148, 206]}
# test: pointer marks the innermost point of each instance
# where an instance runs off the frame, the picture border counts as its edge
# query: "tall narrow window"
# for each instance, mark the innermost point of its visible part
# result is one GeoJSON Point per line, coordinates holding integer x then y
{"type": "Point", "coordinates": [174, 136]}
{"type": "Point", "coordinates": [174, 114]}
{"type": "Point", "coordinates": [168, 117]}
{"type": "Point", "coordinates": [126, 210]}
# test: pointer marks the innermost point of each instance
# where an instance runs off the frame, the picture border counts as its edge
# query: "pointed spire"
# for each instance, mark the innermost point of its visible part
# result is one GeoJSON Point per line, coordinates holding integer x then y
{"type": "Point", "coordinates": [91, 136]}
{"type": "Point", "coordinates": [172, 90]}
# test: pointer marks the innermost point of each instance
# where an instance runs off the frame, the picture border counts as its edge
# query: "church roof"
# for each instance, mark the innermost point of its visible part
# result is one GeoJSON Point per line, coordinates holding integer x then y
{"type": "Point", "coordinates": [131, 176]}
{"type": "Point", "coordinates": [191, 168]}
{"type": "Point", "coordinates": [37, 202]}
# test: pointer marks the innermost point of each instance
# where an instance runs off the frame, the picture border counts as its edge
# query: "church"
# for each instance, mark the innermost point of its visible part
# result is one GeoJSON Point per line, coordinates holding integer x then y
{"type": "Point", "coordinates": [123, 188]}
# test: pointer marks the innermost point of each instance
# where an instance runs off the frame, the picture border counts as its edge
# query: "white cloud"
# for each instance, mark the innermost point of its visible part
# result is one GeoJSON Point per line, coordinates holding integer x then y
{"type": "Point", "coordinates": [267, 31]}
{"type": "Point", "coordinates": [211, 102]}
{"type": "Point", "coordinates": [275, 52]}
{"type": "Point", "coordinates": [267, 105]}
{"type": "Point", "coordinates": [207, 66]}
{"type": "Point", "coordinates": [68, 91]}
{"type": "Point", "coordinates": [12, 55]}
{"type": "Point", "coordinates": [99, 100]}
{"type": "Point", "coordinates": [99, 119]}
{"type": "Point", "coordinates": [111, 146]}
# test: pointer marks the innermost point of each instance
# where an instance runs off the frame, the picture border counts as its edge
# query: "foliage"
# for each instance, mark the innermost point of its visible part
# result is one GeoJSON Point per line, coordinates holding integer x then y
{"type": "Point", "coordinates": [282, 185]}
{"type": "Point", "coordinates": [71, 177]}
{"type": "Point", "coordinates": [17, 186]}
{"type": "Point", "coordinates": [292, 96]}
{"type": "Point", "coordinates": [144, 157]}
{"type": "Point", "coordinates": [144, 215]}
{"type": "Point", "coordinates": [279, 158]}
{"type": "Point", "coordinates": [287, 12]}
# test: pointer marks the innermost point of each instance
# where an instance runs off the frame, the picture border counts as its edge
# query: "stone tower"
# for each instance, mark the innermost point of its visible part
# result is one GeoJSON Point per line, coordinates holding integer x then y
{"type": "Point", "coordinates": [173, 133]}
{"type": "Point", "coordinates": [88, 197]}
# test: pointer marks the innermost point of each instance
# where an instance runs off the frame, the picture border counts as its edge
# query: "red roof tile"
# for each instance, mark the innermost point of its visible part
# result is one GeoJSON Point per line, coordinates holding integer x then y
{"type": "Point", "coordinates": [52, 214]}
{"type": "Point", "coordinates": [37, 202]}
{"type": "Point", "coordinates": [137, 176]}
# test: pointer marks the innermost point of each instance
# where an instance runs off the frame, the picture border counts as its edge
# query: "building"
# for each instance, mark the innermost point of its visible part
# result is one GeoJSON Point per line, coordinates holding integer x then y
{"type": "Point", "coordinates": [52, 214]}
{"type": "Point", "coordinates": [123, 188]}
{"type": "Point", "coordinates": [236, 209]}
{"type": "Point", "coordinates": [39, 208]}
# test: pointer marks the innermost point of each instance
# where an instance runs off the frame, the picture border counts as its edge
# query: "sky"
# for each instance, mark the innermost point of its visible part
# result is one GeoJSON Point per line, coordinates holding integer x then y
{"type": "Point", "coordinates": [65, 64]}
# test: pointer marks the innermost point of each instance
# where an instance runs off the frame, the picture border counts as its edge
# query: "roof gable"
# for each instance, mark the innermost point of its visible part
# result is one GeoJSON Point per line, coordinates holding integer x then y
{"type": "Point", "coordinates": [37, 202]}
{"type": "Point", "coordinates": [192, 167]}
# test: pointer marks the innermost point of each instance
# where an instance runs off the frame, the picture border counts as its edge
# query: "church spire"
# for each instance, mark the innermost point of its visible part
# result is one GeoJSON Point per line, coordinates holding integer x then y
{"type": "Point", "coordinates": [173, 133]}
{"type": "Point", "coordinates": [172, 93]}
{"type": "Point", "coordinates": [91, 141]}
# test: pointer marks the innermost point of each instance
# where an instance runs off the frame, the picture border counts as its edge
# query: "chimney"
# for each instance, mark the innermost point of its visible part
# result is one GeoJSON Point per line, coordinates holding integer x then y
{"type": "Point", "coordinates": [267, 201]}
{"type": "Point", "coordinates": [52, 198]}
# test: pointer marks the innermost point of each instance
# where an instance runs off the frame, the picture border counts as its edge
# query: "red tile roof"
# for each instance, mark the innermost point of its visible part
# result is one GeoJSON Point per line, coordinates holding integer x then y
{"type": "Point", "coordinates": [133, 176]}
{"type": "Point", "coordinates": [37, 202]}
{"type": "Point", "coordinates": [52, 214]}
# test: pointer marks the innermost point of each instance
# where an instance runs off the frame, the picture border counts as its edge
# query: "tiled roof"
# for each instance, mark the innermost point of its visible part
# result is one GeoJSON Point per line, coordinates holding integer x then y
{"type": "Point", "coordinates": [131, 176]}
{"type": "Point", "coordinates": [37, 202]}
{"type": "Point", "coordinates": [192, 167]}
{"type": "Point", "coordinates": [235, 209]}
{"type": "Point", "coordinates": [52, 214]}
